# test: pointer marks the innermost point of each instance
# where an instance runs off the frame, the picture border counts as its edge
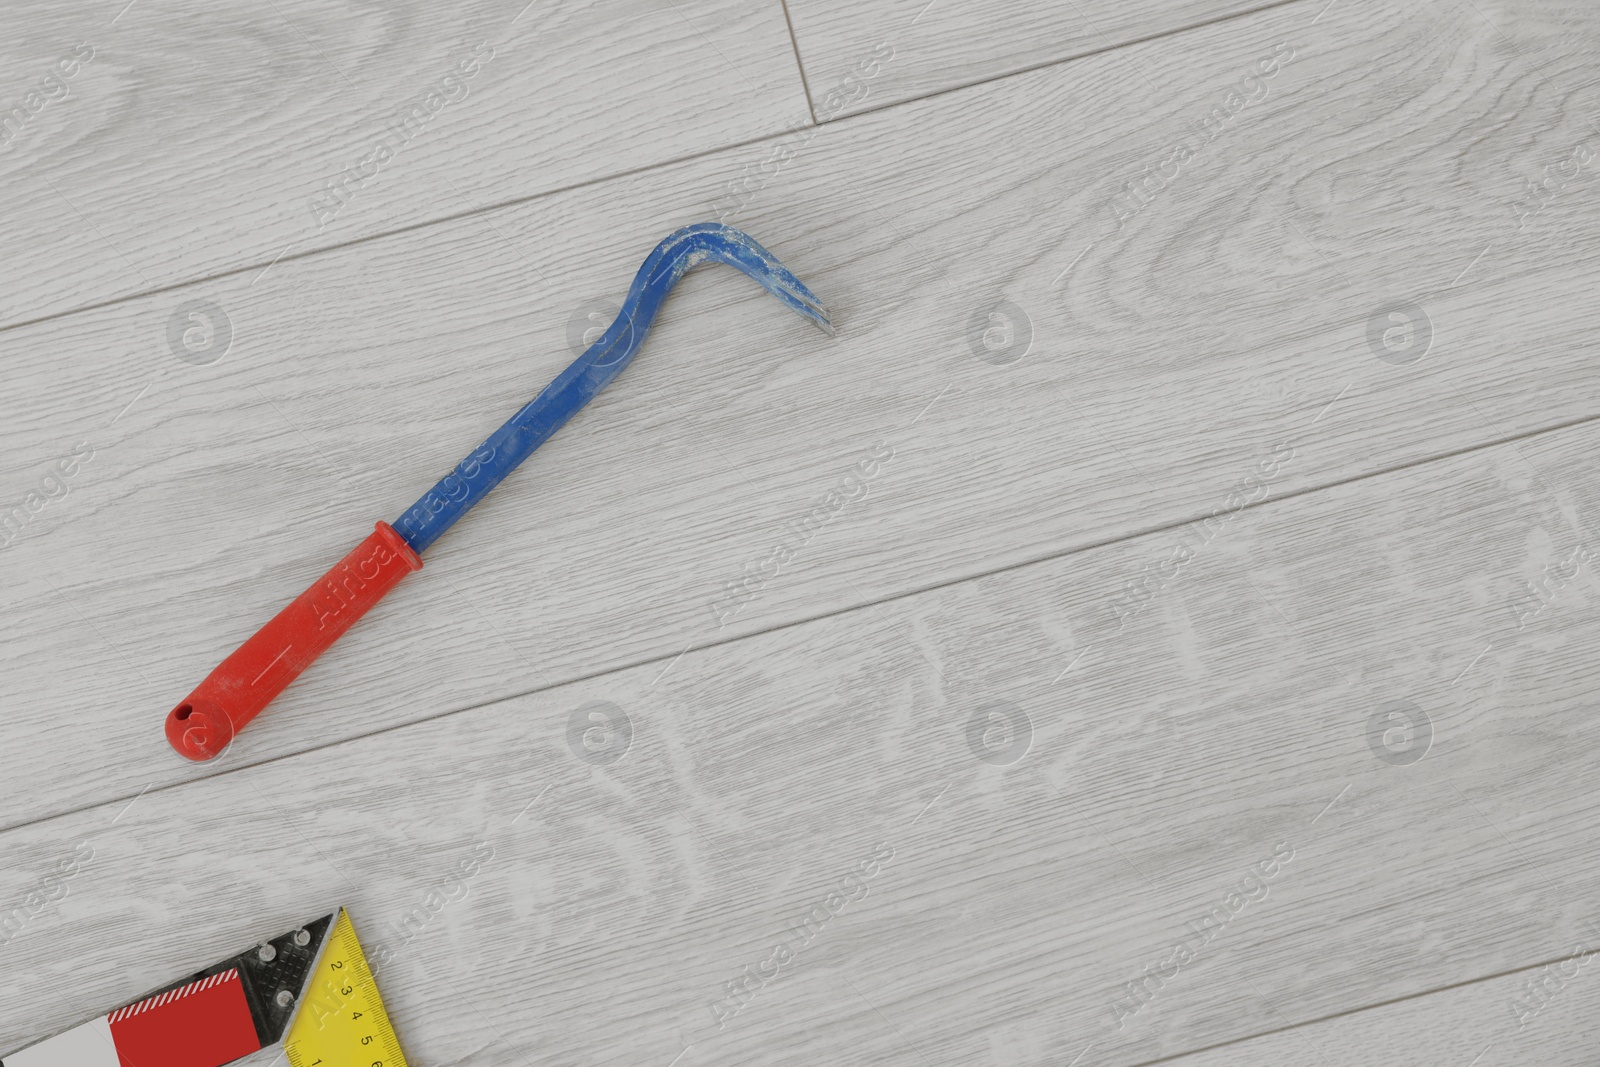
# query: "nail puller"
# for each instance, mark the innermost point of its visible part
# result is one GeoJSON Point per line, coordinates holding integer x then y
{"type": "Point", "coordinates": [207, 720]}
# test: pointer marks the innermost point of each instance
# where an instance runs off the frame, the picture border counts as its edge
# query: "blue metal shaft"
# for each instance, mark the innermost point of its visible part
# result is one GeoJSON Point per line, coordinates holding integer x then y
{"type": "Point", "coordinates": [506, 448]}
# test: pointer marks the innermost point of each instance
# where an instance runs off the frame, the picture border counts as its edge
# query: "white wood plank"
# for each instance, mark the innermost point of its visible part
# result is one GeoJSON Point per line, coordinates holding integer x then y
{"type": "Point", "coordinates": [203, 138]}
{"type": "Point", "coordinates": [1542, 1015]}
{"type": "Point", "coordinates": [866, 55]}
{"type": "Point", "coordinates": [1226, 721]}
{"type": "Point", "coordinates": [1231, 313]}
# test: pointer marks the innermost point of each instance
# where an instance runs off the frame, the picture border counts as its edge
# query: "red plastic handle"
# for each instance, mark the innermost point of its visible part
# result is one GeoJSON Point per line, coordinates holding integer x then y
{"type": "Point", "coordinates": [245, 682]}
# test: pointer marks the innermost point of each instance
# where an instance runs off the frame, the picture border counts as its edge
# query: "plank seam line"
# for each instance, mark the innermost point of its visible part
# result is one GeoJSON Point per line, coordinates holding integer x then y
{"type": "Point", "coordinates": [517, 201]}
{"type": "Point", "coordinates": [800, 65]}
{"type": "Point", "coordinates": [1044, 64]}
{"type": "Point", "coordinates": [1350, 1011]}
{"type": "Point", "coordinates": [1510, 441]}
{"type": "Point", "coordinates": [400, 231]}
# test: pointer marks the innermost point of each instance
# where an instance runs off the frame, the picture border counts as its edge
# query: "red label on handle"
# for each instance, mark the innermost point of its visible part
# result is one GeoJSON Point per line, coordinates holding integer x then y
{"type": "Point", "coordinates": [203, 1024]}
{"type": "Point", "coordinates": [245, 682]}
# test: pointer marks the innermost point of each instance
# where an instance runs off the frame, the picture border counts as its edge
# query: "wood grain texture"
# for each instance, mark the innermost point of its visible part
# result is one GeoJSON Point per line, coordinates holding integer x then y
{"type": "Point", "coordinates": [1168, 356]}
{"type": "Point", "coordinates": [204, 138]}
{"type": "Point", "coordinates": [936, 45]}
{"type": "Point", "coordinates": [986, 910]}
{"type": "Point", "coordinates": [1539, 1015]}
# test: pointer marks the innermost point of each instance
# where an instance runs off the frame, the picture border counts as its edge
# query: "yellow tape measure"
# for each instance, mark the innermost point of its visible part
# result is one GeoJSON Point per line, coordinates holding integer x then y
{"type": "Point", "coordinates": [341, 1021]}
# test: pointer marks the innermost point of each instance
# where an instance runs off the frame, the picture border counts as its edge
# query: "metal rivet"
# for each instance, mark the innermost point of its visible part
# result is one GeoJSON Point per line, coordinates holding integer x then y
{"type": "Point", "coordinates": [302, 938]}
{"type": "Point", "coordinates": [285, 998]}
{"type": "Point", "coordinates": [267, 953]}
